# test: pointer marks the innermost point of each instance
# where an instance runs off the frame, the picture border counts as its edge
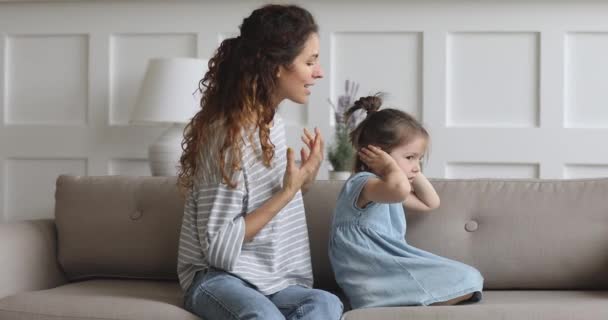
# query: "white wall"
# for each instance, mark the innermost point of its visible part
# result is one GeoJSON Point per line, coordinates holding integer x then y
{"type": "Point", "coordinates": [506, 88]}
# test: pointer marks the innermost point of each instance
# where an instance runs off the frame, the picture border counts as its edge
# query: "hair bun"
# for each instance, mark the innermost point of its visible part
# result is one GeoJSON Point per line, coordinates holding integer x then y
{"type": "Point", "coordinates": [370, 104]}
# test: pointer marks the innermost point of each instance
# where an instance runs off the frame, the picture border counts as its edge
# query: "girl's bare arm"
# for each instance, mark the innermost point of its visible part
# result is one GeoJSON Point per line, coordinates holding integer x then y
{"type": "Point", "coordinates": [392, 186]}
{"type": "Point", "coordinates": [423, 196]}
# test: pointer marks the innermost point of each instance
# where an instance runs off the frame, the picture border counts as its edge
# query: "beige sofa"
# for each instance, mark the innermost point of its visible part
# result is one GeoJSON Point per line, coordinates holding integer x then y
{"type": "Point", "coordinates": [110, 253]}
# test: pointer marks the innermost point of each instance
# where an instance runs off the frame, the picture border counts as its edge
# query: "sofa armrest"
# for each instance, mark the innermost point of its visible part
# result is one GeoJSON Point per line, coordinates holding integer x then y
{"type": "Point", "coordinates": [28, 257]}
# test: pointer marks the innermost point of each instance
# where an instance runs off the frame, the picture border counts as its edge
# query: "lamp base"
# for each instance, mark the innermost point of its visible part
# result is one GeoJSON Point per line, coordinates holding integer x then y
{"type": "Point", "coordinates": [164, 154]}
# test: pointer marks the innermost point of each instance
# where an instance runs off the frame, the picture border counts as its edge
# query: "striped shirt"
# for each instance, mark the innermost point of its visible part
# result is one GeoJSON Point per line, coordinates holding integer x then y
{"type": "Point", "coordinates": [213, 226]}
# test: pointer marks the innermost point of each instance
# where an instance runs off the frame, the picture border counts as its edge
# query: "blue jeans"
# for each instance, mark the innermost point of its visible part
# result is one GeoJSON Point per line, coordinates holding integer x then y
{"type": "Point", "coordinates": [219, 295]}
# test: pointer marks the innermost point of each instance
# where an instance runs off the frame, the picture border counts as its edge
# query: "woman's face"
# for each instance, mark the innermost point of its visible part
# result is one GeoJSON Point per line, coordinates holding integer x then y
{"type": "Point", "coordinates": [294, 83]}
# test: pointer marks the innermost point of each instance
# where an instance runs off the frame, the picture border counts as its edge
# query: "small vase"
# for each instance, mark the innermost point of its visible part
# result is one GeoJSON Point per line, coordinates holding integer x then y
{"type": "Point", "coordinates": [339, 175]}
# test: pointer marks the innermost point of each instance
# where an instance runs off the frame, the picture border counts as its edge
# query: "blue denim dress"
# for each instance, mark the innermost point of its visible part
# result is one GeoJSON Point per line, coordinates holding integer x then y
{"type": "Point", "coordinates": [376, 267]}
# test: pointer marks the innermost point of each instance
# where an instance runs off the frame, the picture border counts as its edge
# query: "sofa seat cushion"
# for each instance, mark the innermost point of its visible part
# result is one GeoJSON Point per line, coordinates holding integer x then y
{"type": "Point", "coordinates": [504, 305]}
{"type": "Point", "coordinates": [99, 299]}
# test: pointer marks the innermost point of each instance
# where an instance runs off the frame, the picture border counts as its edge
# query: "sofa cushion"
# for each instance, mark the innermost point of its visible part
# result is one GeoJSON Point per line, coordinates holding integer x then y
{"type": "Point", "coordinates": [114, 226]}
{"type": "Point", "coordinates": [319, 203]}
{"type": "Point", "coordinates": [504, 305]}
{"type": "Point", "coordinates": [521, 234]}
{"type": "Point", "coordinates": [99, 299]}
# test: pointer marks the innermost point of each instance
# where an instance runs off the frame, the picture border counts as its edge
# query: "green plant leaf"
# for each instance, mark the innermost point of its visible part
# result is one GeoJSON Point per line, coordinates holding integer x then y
{"type": "Point", "coordinates": [341, 154]}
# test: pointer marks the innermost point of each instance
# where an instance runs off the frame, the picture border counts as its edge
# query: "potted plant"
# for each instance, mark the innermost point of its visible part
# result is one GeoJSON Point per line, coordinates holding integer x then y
{"type": "Point", "coordinates": [341, 153]}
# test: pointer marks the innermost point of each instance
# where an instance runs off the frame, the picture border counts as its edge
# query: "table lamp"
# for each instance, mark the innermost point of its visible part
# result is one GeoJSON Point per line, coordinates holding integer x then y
{"type": "Point", "coordinates": [169, 96]}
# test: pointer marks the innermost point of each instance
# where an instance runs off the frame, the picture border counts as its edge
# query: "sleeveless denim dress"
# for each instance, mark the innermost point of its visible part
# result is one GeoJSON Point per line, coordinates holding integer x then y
{"type": "Point", "coordinates": [376, 267]}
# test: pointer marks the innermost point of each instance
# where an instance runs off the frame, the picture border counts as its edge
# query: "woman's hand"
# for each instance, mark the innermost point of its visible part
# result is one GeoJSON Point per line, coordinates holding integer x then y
{"type": "Point", "coordinates": [309, 140]}
{"type": "Point", "coordinates": [299, 177]}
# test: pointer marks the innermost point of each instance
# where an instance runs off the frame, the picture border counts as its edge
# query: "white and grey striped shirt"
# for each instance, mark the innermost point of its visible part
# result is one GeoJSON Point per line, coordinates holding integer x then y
{"type": "Point", "coordinates": [213, 226]}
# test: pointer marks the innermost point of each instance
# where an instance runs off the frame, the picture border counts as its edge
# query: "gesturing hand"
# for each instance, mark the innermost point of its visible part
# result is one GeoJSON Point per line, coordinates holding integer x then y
{"type": "Point", "coordinates": [312, 142]}
{"type": "Point", "coordinates": [298, 176]}
{"type": "Point", "coordinates": [378, 160]}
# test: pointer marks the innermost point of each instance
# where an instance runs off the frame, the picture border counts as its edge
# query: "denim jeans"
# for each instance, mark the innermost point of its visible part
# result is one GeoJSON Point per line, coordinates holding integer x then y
{"type": "Point", "coordinates": [219, 295]}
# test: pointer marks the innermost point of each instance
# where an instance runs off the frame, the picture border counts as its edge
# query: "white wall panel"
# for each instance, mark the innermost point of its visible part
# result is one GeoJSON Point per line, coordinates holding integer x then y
{"type": "Point", "coordinates": [3, 67]}
{"type": "Point", "coordinates": [586, 86]}
{"type": "Point", "coordinates": [491, 170]}
{"type": "Point", "coordinates": [388, 62]}
{"type": "Point", "coordinates": [29, 185]}
{"type": "Point", "coordinates": [47, 79]}
{"type": "Point", "coordinates": [129, 167]}
{"type": "Point", "coordinates": [574, 171]}
{"type": "Point", "coordinates": [492, 79]}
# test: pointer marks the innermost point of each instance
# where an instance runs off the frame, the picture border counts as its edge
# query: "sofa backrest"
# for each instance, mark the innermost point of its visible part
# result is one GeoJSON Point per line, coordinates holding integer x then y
{"type": "Point", "coordinates": [520, 234]}
{"type": "Point", "coordinates": [528, 234]}
{"type": "Point", "coordinates": [118, 226]}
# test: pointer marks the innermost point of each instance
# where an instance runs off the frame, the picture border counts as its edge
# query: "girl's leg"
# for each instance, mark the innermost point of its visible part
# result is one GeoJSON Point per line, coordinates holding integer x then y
{"type": "Point", "coordinates": [219, 295]}
{"type": "Point", "coordinates": [296, 302]}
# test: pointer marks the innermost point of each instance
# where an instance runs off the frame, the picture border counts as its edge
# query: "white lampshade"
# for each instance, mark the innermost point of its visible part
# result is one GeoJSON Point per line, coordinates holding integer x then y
{"type": "Point", "coordinates": [169, 91]}
{"type": "Point", "coordinates": [169, 95]}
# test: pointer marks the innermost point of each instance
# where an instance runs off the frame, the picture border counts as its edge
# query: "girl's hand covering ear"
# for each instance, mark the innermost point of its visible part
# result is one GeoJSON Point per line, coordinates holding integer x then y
{"type": "Point", "coordinates": [378, 160]}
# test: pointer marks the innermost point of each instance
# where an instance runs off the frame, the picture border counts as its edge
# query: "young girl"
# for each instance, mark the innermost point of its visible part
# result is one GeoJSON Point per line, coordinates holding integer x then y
{"type": "Point", "coordinates": [373, 263]}
{"type": "Point", "coordinates": [243, 249]}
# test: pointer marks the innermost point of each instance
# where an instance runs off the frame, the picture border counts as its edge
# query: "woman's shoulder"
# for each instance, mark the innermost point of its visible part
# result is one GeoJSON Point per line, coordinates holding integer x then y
{"type": "Point", "coordinates": [277, 124]}
{"type": "Point", "coordinates": [278, 118]}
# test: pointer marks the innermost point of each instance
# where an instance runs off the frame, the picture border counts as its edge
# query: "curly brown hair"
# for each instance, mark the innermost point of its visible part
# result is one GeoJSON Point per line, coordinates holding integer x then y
{"type": "Point", "coordinates": [237, 90]}
{"type": "Point", "coordinates": [386, 128]}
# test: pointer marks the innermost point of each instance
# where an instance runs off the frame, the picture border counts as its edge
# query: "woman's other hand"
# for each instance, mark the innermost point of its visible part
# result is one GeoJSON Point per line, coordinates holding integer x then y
{"type": "Point", "coordinates": [301, 176]}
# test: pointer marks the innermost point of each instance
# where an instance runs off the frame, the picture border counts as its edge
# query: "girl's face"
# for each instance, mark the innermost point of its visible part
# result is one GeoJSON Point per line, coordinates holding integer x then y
{"type": "Point", "coordinates": [408, 156]}
{"type": "Point", "coordinates": [294, 83]}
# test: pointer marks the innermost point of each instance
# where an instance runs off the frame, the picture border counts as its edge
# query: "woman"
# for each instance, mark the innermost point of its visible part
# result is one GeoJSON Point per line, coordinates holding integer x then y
{"type": "Point", "coordinates": [244, 250]}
